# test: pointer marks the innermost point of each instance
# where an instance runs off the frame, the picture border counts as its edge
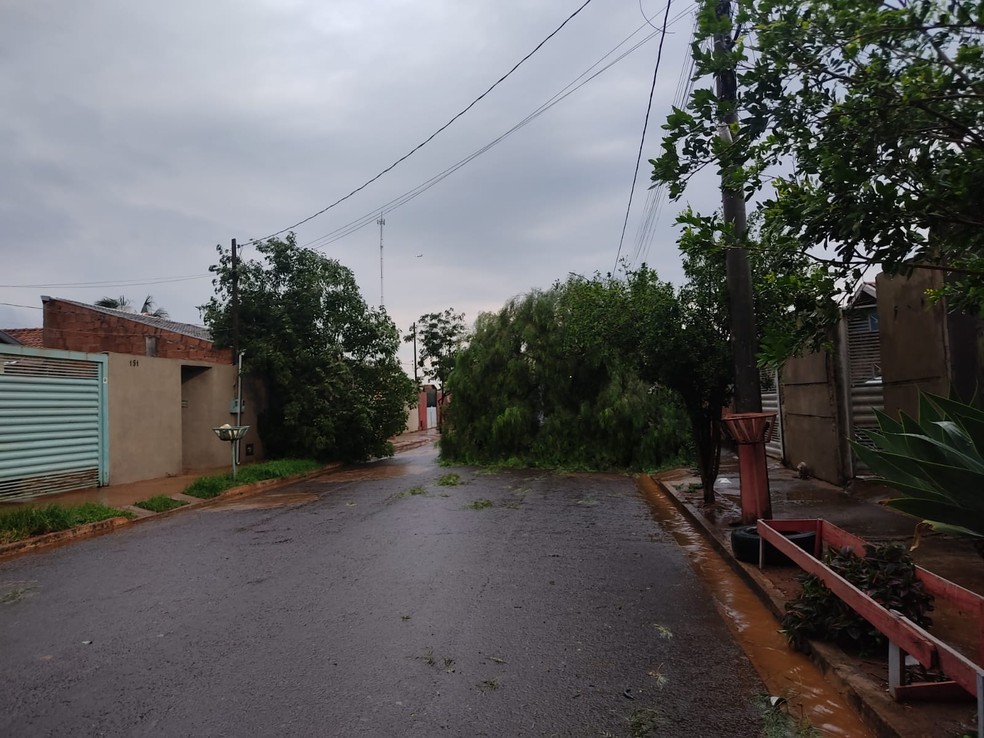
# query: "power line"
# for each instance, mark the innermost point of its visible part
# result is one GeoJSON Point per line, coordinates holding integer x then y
{"type": "Point", "coordinates": [656, 197]}
{"type": "Point", "coordinates": [645, 127]}
{"type": "Point", "coordinates": [137, 282]}
{"type": "Point", "coordinates": [406, 197]}
{"type": "Point", "coordinates": [434, 134]}
{"type": "Point", "coordinates": [13, 305]}
{"type": "Point", "coordinates": [581, 80]}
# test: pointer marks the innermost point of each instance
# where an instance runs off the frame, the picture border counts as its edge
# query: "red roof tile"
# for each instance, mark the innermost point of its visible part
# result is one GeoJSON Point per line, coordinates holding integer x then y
{"type": "Point", "coordinates": [33, 337]}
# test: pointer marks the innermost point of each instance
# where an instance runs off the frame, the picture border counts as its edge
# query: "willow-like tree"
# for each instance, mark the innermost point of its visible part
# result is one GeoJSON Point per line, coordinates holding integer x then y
{"type": "Point", "coordinates": [334, 385]}
{"type": "Point", "coordinates": [524, 393]}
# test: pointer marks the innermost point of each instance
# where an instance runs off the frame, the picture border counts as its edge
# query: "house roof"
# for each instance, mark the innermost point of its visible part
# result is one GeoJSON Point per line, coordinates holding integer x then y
{"type": "Point", "coordinates": [33, 337]}
{"type": "Point", "coordinates": [185, 329]}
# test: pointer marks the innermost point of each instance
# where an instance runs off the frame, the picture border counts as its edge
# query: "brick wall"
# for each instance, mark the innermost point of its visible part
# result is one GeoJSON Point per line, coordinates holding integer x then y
{"type": "Point", "coordinates": [77, 328]}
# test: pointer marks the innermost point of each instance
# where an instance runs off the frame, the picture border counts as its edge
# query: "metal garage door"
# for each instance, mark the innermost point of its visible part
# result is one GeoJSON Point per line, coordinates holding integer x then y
{"type": "Point", "coordinates": [769, 382]}
{"type": "Point", "coordinates": [52, 422]}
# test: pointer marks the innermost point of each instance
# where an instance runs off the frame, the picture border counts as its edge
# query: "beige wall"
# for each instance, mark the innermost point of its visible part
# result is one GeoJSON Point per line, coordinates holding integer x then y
{"type": "Point", "coordinates": [912, 332]}
{"type": "Point", "coordinates": [811, 416]}
{"type": "Point", "coordinates": [160, 425]}
{"type": "Point", "coordinates": [144, 418]}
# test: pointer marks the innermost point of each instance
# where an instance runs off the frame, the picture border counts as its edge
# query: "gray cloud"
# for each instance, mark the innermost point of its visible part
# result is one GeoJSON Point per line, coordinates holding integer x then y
{"type": "Point", "coordinates": [137, 136]}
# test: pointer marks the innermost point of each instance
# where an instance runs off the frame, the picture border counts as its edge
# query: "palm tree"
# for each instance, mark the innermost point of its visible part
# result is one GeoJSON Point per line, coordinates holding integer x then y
{"type": "Point", "coordinates": [123, 303]}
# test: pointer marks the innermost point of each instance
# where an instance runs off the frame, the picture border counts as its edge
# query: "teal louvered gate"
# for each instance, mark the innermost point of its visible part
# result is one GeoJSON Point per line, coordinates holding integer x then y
{"type": "Point", "coordinates": [53, 418]}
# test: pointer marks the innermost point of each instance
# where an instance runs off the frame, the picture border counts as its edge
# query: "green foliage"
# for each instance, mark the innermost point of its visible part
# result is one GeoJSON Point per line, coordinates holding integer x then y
{"type": "Point", "coordinates": [527, 390]}
{"type": "Point", "coordinates": [935, 462]}
{"type": "Point", "coordinates": [481, 504]}
{"type": "Point", "coordinates": [160, 503]}
{"type": "Point", "coordinates": [24, 522]}
{"type": "Point", "coordinates": [334, 385]}
{"type": "Point", "coordinates": [872, 112]}
{"type": "Point", "coordinates": [439, 338]}
{"type": "Point", "coordinates": [214, 485]}
{"type": "Point", "coordinates": [886, 574]}
{"type": "Point", "coordinates": [449, 480]}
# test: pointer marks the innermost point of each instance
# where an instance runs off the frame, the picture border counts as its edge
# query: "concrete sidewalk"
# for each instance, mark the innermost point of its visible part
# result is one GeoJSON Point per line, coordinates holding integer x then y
{"type": "Point", "coordinates": [863, 681]}
{"type": "Point", "coordinates": [123, 496]}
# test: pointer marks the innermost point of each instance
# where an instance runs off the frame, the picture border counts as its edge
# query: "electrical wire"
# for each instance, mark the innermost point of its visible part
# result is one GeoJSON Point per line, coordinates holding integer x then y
{"type": "Point", "coordinates": [656, 196]}
{"type": "Point", "coordinates": [645, 127]}
{"type": "Point", "coordinates": [406, 197]}
{"type": "Point", "coordinates": [109, 283]}
{"type": "Point", "coordinates": [581, 80]}
{"type": "Point", "coordinates": [430, 138]}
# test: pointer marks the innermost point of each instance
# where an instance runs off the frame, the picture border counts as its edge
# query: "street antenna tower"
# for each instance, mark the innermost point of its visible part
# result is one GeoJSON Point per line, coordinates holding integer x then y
{"type": "Point", "coordinates": [381, 222]}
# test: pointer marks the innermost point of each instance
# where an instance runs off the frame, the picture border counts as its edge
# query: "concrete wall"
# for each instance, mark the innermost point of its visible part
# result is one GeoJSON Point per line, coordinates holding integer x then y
{"type": "Point", "coordinates": [161, 414]}
{"type": "Point", "coordinates": [913, 335]}
{"type": "Point", "coordinates": [144, 418]}
{"type": "Point", "coordinates": [812, 416]}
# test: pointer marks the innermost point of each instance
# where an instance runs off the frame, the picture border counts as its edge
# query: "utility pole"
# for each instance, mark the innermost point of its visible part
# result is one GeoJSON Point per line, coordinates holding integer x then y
{"type": "Point", "coordinates": [381, 222]}
{"type": "Point", "coordinates": [416, 380]}
{"type": "Point", "coordinates": [748, 396]}
{"type": "Point", "coordinates": [235, 301]}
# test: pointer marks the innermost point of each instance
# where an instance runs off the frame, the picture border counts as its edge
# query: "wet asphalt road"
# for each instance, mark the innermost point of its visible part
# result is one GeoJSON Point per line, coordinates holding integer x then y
{"type": "Point", "coordinates": [349, 606]}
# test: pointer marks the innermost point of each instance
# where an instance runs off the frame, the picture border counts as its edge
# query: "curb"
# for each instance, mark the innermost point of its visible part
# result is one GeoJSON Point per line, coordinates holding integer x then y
{"type": "Point", "coordinates": [854, 686]}
{"type": "Point", "coordinates": [102, 527]}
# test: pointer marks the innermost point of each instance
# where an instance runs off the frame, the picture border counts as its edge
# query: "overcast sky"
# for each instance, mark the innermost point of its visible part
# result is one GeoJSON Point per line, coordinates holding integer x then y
{"type": "Point", "coordinates": [136, 136]}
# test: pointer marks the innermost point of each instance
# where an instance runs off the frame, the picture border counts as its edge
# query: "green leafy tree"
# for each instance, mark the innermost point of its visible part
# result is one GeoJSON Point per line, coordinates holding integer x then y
{"type": "Point", "coordinates": [123, 303]}
{"type": "Point", "coordinates": [334, 385]}
{"type": "Point", "coordinates": [439, 337]}
{"type": "Point", "coordinates": [526, 392]}
{"type": "Point", "coordinates": [866, 118]}
{"type": "Point", "coordinates": [679, 338]}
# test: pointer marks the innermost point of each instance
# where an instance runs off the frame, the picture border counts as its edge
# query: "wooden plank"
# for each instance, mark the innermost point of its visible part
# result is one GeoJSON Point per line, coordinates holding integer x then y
{"type": "Point", "coordinates": [922, 647]}
{"type": "Point", "coordinates": [944, 691]}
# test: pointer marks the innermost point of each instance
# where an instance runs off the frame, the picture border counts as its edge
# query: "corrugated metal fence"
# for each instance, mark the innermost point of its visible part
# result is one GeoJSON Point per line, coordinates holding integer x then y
{"type": "Point", "coordinates": [53, 434]}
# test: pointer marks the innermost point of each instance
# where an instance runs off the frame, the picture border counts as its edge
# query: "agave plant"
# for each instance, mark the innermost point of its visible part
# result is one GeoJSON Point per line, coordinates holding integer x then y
{"type": "Point", "coordinates": [935, 462]}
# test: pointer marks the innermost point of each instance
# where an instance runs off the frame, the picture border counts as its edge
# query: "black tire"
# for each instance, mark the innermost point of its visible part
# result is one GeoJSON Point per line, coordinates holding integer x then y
{"type": "Point", "coordinates": [745, 545]}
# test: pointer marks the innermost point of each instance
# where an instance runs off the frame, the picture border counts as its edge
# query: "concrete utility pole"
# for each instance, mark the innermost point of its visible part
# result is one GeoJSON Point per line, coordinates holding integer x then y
{"type": "Point", "coordinates": [416, 380]}
{"type": "Point", "coordinates": [748, 395]}
{"type": "Point", "coordinates": [235, 301]}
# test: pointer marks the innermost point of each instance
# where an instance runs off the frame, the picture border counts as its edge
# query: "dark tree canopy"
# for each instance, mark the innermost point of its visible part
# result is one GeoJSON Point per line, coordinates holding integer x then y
{"type": "Point", "coordinates": [334, 385]}
{"type": "Point", "coordinates": [439, 337]}
{"type": "Point", "coordinates": [866, 118]}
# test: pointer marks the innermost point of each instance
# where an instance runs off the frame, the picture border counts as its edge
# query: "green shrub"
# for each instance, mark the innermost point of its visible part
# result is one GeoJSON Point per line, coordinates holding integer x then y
{"type": "Point", "coordinates": [25, 522]}
{"type": "Point", "coordinates": [160, 503]}
{"type": "Point", "coordinates": [212, 486]}
{"type": "Point", "coordinates": [886, 574]}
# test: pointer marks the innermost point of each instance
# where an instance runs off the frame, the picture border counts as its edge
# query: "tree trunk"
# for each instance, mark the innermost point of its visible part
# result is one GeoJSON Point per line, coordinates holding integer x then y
{"type": "Point", "coordinates": [707, 440]}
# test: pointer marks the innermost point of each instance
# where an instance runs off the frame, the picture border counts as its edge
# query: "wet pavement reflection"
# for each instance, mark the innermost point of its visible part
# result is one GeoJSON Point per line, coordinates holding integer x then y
{"type": "Point", "coordinates": [786, 673]}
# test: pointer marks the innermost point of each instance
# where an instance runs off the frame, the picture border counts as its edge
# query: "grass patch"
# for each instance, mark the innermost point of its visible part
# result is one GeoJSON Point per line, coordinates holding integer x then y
{"type": "Point", "coordinates": [450, 480]}
{"type": "Point", "coordinates": [160, 503]}
{"type": "Point", "coordinates": [25, 522]}
{"type": "Point", "coordinates": [481, 504]}
{"type": "Point", "coordinates": [778, 723]}
{"type": "Point", "coordinates": [489, 685]}
{"type": "Point", "coordinates": [645, 722]}
{"type": "Point", "coordinates": [213, 486]}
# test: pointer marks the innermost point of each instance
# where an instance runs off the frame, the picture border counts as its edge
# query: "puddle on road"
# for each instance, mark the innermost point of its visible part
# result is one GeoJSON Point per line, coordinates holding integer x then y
{"type": "Point", "coordinates": [266, 501]}
{"type": "Point", "coordinates": [373, 472]}
{"type": "Point", "coordinates": [786, 673]}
